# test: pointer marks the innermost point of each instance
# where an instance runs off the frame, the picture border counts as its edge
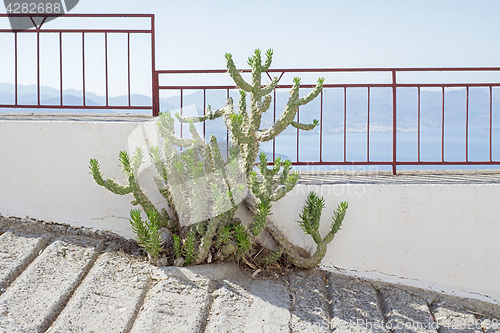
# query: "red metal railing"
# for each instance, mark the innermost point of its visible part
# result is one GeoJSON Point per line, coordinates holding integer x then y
{"type": "Point", "coordinates": [40, 29]}
{"type": "Point", "coordinates": [393, 85]}
{"type": "Point", "coordinates": [391, 81]}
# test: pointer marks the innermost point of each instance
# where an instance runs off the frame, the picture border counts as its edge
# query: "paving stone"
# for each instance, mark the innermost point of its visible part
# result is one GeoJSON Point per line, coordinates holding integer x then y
{"type": "Point", "coordinates": [489, 324]}
{"type": "Point", "coordinates": [108, 298]}
{"type": "Point", "coordinates": [55, 291]}
{"type": "Point", "coordinates": [242, 304]}
{"type": "Point", "coordinates": [16, 252]}
{"type": "Point", "coordinates": [354, 305]}
{"type": "Point", "coordinates": [34, 299]}
{"type": "Point", "coordinates": [174, 304]}
{"type": "Point", "coordinates": [269, 311]}
{"type": "Point", "coordinates": [451, 319]}
{"type": "Point", "coordinates": [310, 304]}
{"type": "Point", "coordinates": [406, 312]}
{"type": "Point", "coordinates": [230, 308]}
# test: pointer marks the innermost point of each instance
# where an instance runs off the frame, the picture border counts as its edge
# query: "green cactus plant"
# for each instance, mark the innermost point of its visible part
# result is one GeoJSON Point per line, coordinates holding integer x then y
{"type": "Point", "coordinates": [199, 173]}
{"type": "Point", "coordinates": [244, 126]}
{"type": "Point", "coordinates": [148, 233]}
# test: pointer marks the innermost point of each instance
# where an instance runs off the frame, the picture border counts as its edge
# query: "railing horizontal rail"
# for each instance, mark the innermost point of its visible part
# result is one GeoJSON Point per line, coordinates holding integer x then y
{"type": "Point", "coordinates": [87, 31]}
{"type": "Point", "coordinates": [77, 15]}
{"type": "Point", "coordinates": [352, 85]}
{"type": "Point", "coordinates": [326, 70]}
{"type": "Point", "coordinates": [394, 135]}
{"type": "Point", "coordinates": [75, 107]}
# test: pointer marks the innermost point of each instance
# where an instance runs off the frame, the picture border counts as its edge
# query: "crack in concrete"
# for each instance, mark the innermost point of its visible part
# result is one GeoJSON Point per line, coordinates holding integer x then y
{"type": "Point", "coordinates": [212, 286]}
{"type": "Point", "coordinates": [412, 283]}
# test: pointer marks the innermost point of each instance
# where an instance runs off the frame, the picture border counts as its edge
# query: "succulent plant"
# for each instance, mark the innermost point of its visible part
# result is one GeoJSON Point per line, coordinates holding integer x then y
{"type": "Point", "coordinates": [203, 191]}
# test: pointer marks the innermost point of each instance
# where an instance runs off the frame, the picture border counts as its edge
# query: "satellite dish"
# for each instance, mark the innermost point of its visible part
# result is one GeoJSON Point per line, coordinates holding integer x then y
{"type": "Point", "coordinates": [70, 4]}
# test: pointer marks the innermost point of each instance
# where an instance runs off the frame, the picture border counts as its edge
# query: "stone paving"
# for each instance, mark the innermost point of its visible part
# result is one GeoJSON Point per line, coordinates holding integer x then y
{"type": "Point", "coordinates": [58, 279]}
{"type": "Point", "coordinates": [436, 177]}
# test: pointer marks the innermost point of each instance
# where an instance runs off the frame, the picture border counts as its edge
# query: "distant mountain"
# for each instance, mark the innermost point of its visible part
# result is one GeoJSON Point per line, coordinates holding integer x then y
{"type": "Point", "coordinates": [333, 107]}
{"type": "Point", "coordinates": [27, 95]}
{"type": "Point", "coordinates": [380, 109]}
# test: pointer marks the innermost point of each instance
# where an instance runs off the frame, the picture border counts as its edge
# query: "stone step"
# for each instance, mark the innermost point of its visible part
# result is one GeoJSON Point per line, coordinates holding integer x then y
{"type": "Point", "coordinates": [406, 312]}
{"type": "Point", "coordinates": [355, 305]}
{"type": "Point", "coordinates": [230, 307]}
{"type": "Point", "coordinates": [242, 304]}
{"type": "Point", "coordinates": [109, 297]}
{"type": "Point", "coordinates": [16, 252]}
{"type": "Point", "coordinates": [72, 286]}
{"type": "Point", "coordinates": [310, 304]}
{"type": "Point", "coordinates": [270, 309]}
{"type": "Point", "coordinates": [450, 318]}
{"type": "Point", "coordinates": [177, 302]}
{"type": "Point", "coordinates": [37, 296]}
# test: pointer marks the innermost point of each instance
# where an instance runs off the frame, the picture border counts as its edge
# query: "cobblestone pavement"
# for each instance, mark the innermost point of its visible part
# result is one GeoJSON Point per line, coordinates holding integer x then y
{"type": "Point", "coordinates": [57, 279]}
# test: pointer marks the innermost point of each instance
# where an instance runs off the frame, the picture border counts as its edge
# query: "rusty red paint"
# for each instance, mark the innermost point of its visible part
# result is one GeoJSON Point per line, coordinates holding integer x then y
{"type": "Point", "coordinates": [394, 121]}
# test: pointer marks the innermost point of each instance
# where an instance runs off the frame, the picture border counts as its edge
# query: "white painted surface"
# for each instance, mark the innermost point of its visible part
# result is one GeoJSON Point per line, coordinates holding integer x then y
{"type": "Point", "coordinates": [45, 171]}
{"type": "Point", "coordinates": [440, 236]}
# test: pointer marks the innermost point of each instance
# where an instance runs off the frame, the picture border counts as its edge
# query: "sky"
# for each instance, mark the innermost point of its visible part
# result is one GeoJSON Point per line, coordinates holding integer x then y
{"type": "Point", "coordinates": [320, 33]}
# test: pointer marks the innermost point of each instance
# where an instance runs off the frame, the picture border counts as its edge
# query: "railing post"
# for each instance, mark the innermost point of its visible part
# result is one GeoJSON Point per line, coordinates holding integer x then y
{"type": "Point", "coordinates": [155, 96]}
{"type": "Point", "coordinates": [155, 92]}
{"type": "Point", "coordinates": [394, 122]}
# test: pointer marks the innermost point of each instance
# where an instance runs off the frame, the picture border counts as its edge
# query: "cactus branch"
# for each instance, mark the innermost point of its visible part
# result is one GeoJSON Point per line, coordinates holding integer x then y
{"type": "Point", "coordinates": [265, 104]}
{"type": "Point", "coordinates": [305, 127]}
{"type": "Point", "coordinates": [270, 87]}
{"type": "Point", "coordinates": [321, 248]}
{"type": "Point", "coordinates": [209, 115]}
{"type": "Point", "coordinates": [313, 94]}
{"type": "Point", "coordinates": [110, 184]}
{"type": "Point", "coordinates": [269, 60]}
{"type": "Point", "coordinates": [235, 74]}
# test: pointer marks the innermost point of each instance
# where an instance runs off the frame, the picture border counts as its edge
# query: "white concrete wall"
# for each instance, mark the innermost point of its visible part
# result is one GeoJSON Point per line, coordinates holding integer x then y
{"type": "Point", "coordinates": [444, 237]}
{"type": "Point", "coordinates": [45, 171]}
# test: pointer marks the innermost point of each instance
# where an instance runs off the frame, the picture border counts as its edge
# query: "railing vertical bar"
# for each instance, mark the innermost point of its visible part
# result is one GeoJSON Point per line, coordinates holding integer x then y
{"type": "Point", "coordinates": [491, 123]}
{"type": "Point", "coordinates": [61, 68]}
{"type": "Point", "coordinates": [155, 93]}
{"type": "Point", "coordinates": [467, 124]}
{"type": "Point", "coordinates": [227, 131]}
{"type": "Point", "coordinates": [394, 123]}
{"type": "Point", "coordinates": [298, 121]}
{"type": "Point", "coordinates": [128, 68]}
{"type": "Point", "coordinates": [204, 111]}
{"type": "Point", "coordinates": [345, 124]}
{"type": "Point", "coordinates": [442, 124]}
{"type": "Point", "coordinates": [83, 67]}
{"type": "Point", "coordinates": [368, 129]}
{"type": "Point", "coordinates": [419, 122]}
{"type": "Point", "coordinates": [38, 67]}
{"type": "Point", "coordinates": [15, 68]}
{"type": "Point", "coordinates": [106, 64]}
{"type": "Point", "coordinates": [321, 127]}
{"type": "Point", "coordinates": [181, 105]}
{"type": "Point", "coordinates": [274, 121]}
